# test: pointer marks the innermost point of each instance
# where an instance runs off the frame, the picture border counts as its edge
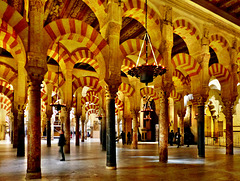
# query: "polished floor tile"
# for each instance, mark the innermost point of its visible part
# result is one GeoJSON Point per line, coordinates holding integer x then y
{"type": "Point", "coordinates": [87, 162]}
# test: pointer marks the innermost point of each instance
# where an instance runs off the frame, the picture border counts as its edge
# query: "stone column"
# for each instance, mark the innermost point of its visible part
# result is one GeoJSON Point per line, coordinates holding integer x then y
{"type": "Point", "coordinates": [135, 129]}
{"type": "Point", "coordinates": [181, 125]}
{"type": "Point", "coordinates": [82, 134]}
{"type": "Point", "coordinates": [103, 131]}
{"type": "Point", "coordinates": [34, 129]}
{"type": "Point", "coordinates": [67, 130]}
{"type": "Point", "coordinates": [229, 126]}
{"type": "Point", "coordinates": [200, 125]}
{"type": "Point", "coordinates": [110, 116]}
{"type": "Point", "coordinates": [77, 129]}
{"type": "Point", "coordinates": [163, 126]}
{"type": "Point", "coordinates": [49, 116]}
{"type": "Point", "coordinates": [21, 136]}
{"type": "Point", "coordinates": [15, 128]}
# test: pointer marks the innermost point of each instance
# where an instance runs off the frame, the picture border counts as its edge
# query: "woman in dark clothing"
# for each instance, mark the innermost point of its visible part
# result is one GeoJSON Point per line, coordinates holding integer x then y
{"type": "Point", "coordinates": [61, 143]}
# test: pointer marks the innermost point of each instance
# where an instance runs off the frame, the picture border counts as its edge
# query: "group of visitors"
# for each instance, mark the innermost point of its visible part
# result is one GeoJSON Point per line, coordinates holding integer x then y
{"type": "Point", "coordinates": [129, 140]}
{"type": "Point", "coordinates": [177, 138]}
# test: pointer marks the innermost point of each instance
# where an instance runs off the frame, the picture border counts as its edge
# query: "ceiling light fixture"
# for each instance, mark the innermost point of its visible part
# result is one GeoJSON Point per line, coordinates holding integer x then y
{"type": "Point", "coordinates": [146, 72]}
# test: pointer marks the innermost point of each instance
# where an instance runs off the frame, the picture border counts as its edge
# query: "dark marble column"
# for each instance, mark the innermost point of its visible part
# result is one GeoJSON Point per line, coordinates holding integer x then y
{"type": "Point", "coordinates": [21, 136]}
{"type": "Point", "coordinates": [34, 131]}
{"type": "Point", "coordinates": [135, 129]}
{"type": "Point", "coordinates": [229, 126]}
{"type": "Point", "coordinates": [82, 132]}
{"type": "Point", "coordinates": [77, 129]}
{"type": "Point", "coordinates": [49, 115]}
{"type": "Point", "coordinates": [163, 127]}
{"type": "Point", "coordinates": [200, 125]}
{"type": "Point", "coordinates": [15, 128]}
{"type": "Point", "coordinates": [111, 142]}
{"type": "Point", "coordinates": [103, 128]}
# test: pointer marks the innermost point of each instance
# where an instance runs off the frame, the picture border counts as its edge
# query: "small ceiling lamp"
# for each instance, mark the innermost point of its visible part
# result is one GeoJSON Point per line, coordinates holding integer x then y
{"type": "Point", "coordinates": [146, 72]}
{"type": "Point", "coordinates": [57, 105]}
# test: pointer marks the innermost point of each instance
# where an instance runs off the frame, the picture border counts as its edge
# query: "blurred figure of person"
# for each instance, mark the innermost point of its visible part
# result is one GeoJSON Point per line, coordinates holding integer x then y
{"type": "Point", "coordinates": [61, 143]}
{"type": "Point", "coordinates": [123, 137]}
{"type": "Point", "coordinates": [129, 138]}
{"type": "Point", "coordinates": [170, 137]}
{"type": "Point", "coordinates": [187, 138]}
{"type": "Point", "coordinates": [178, 136]}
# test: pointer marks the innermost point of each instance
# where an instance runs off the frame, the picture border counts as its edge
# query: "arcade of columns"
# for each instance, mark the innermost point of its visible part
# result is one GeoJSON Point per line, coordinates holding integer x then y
{"type": "Point", "coordinates": [33, 81]}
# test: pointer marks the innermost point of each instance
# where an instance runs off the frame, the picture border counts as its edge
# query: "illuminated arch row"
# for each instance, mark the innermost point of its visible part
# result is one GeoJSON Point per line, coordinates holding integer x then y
{"type": "Point", "coordinates": [185, 80]}
{"type": "Point", "coordinates": [183, 25]}
{"type": "Point", "coordinates": [220, 40]}
{"type": "Point", "coordinates": [14, 19]}
{"type": "Point", "coordinates": [126, 89]}
{"type": "Point", "coordinates": [6, 84]}
{"type": "Point", "coordinates": [149, 91]}
{"type": "Point", "coordinates": [187, 63]}
{"type": "Point", "coordinates": [90, 82]}
{"type": "Point", "coordinates": [7, 72]}
{"type": "Point", "coordinates": [64, 55]}
{"type": "Point", "coordinates": [68, 27]}
{"type": "Point", "coordinates": [175, 95]}
{"type": "Point", "coordinates": [137, 6]}
{"type": "Point", "coordinates": [52, 78]}
{"type": "Point", "coordinates": [219, 71]}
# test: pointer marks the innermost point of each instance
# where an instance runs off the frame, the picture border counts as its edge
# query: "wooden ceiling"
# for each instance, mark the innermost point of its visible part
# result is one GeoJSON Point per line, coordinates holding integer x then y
{"type": "Point", "coordinates": [228, 9]}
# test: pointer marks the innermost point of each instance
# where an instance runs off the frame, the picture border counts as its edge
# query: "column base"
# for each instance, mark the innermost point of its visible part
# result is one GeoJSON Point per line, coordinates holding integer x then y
{"type": "Point", "coordinates": [111, 168]}
{"type": "Point", "coordinates": [33, 175]}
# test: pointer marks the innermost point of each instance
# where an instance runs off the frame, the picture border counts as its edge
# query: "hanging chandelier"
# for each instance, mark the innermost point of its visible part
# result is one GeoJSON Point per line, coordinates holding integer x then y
{"type": "Point", "coordinates": [57, 105]}
{"type": "Point", "coordinates": [146, 72]}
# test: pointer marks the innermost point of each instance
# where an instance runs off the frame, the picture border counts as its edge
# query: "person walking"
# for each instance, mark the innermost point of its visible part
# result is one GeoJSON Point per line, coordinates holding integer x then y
{"type": "Point", "coordinates": [61, 143]}
{"type": "Point", "coordinates": [178, 136]}
{"type": "Point", "coordinates": [129, 138]}
{"type": "Point", "coordinates": [170, 137]}
{"type": "Point", "coordinates": [123, 137]}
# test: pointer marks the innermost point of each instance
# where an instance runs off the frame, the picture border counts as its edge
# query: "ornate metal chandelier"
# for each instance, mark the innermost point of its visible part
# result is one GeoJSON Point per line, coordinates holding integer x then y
{"type": "Point", "coordinates": [57, 105]}
{"type": "Point", "coordinates": [146, 72]}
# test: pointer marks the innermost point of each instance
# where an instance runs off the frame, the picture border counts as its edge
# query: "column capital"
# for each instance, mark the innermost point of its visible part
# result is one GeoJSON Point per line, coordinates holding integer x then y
{"type": "Point", "coordinates": [21, 108]}
{"type": "Point", "coordinates": [111, 91]}
{"type": "Point", "coordinates": [200, 99]}
{"type": "Point", "coordinates": [36, 5]}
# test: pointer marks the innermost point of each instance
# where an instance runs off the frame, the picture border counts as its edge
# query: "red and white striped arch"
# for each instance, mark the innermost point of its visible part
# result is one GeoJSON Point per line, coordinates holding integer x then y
{"type": "Point", "coordinates": [136, 10]}
{"type": "Point", "coordinates": [127, 89]}
{"type": "Point", "coordinates": [92, 106]}
{"type": "Point", "coordinates": [7, 72]}
{"type": "Point", "coordinates": [7, 92]}
{"type": "Point", "coordinates": [185, 80]}
{"type": "Point", "coordinates": [5, 103]}
{"type": "Point", "coordinates": [219, 71]}
{"type": "Point", "coordinates": [185, 28]}
{"type": "Point", "coordinates": [92, 111]}
{"type": "Point", "coordinates": [91, 82]}
{"type": "Point", "coordinates": [175, 95]}
{"type": "Point", "coordinates": [85, 56]}
{"type": "Point", "coordinates": [52, 78]}
{"type": "Point", "coordinates": [44, 97]}
{"type": "Point", "coordinates": [217, 42]}
{"type": "Point", "coordinates": [183, 61]}
{"type": "Point", "coordinates": [119, 104]}
{"type": "Point", "coordinates": [90, 99]}
{"type": "Point", "coordinates": [76, 30]}
{"type": "Point", "coordinates": [149, 91]}
{"type": "Point", "coordinates": [15, 20]}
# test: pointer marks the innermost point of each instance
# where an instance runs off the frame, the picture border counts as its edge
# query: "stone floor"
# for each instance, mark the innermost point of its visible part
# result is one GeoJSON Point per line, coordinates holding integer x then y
{"type": "Point", "coordinates": [87, 162]}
